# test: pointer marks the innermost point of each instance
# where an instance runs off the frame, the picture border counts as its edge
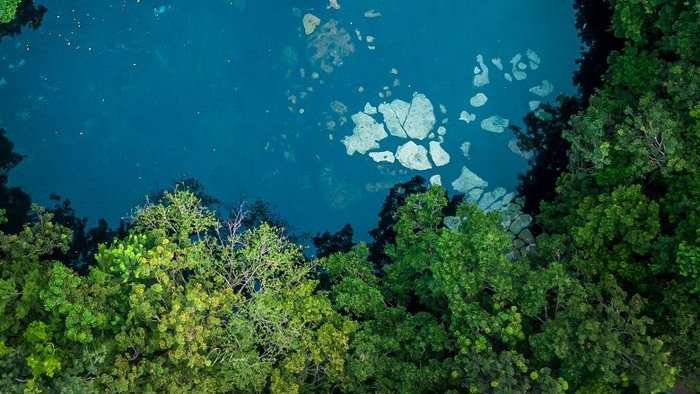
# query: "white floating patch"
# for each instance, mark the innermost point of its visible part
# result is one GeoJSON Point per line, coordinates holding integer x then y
{"type": "Point", "coordinates": [443, 109]}
{"type": "Point", "coordinates": [533, 104]}
{"type": "Point", "coordinates": [478, 100]}
{"type": "Point", "coordinates": [543, 89]}
{"type": "Point", "coordinates": [519, 75]}
{"type": "Point", "coordinates": [477, 70]}
{"type": "Point", "coordinates": [482, 78]}
{"type": "Point", "coordinates": [370, 109]}
{"type": "Point", "coordinates": [494, 124]}
{"type": "Point", "coordinates": [522, 66]}
{"type": "Point", "coordinates": [394, 71]}
{"type": "Point", "coordinates": [413, 156]}
{"type": "Point", "coordinates": [441, 130]}
{"type": "Point", "coordinates": [438, 154]}
{"type": "Point", "coordinates": [420, 119]}
{"type": "Point", "coordinates": [414, 120]}
{"type": "Point", "coordinates": [467, 117]}
{"type": "Point", "coordinates": [468, 181]}
{"type": "Point", "coordinates": [394, 115]}
{"type": "Point", "coordinates": [496, 61]}
{"type": "Point", "coordinates": [365, 135]}
{"type": "Point", "coordinates": [436, 180]}
{"type": "Point", "coordinates": [384, 156]}
{"type": "Point", "coordinates": [508, 77]}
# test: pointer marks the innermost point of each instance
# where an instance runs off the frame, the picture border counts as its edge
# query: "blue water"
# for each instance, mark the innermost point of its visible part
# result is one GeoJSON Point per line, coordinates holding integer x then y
{"type": "Point", "coordinates": [113, 100]}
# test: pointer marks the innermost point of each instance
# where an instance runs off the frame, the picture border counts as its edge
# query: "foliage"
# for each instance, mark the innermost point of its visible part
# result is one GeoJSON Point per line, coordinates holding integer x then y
{"type": "Point", "coordinates": [14, 14]}
{"type": "Point", "coordinates": [8, 8]}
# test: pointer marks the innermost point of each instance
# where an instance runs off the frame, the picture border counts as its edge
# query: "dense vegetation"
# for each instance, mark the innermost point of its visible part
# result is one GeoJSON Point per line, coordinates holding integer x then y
{"type": "Point", "coordinates": [607, 302]}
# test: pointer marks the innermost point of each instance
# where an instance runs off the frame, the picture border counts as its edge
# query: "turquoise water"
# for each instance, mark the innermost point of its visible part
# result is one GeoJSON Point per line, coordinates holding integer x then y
{"type": "Point", "coordinates": [113, 100]}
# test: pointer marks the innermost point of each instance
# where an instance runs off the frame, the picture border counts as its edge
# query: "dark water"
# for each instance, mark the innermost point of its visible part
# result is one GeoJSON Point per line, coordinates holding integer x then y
{"type": "Point", "coordinates": [112, 100]}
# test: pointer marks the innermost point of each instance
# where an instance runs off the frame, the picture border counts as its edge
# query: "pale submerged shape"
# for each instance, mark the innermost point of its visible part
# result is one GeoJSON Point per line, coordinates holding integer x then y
{"type": "Point", "coordinates": [414, 120]}
{"type": "Point", "coordinates": [413, 156]}
{"type": "Point", "coordinates": [467, 117]}
{"type": "Point", "coordinates": [513, 146]}
{"type": "Point", "coordinates": [441, 130]}
{"type": "Point", "coordinates": [465, 148]}
{"type": "Point", "coordinates": [508, 77]}
{"type": "Point", "coordinates": [438, 154]}
{"type": "Point", "coordinates": [468, 181]}
{"type": "Point", "coordinates": [482, 78]}
{"type": "Point", "coordinates": [533, 104]}
{"type": "Point", "coordinates": [534, 59]}
{"type": "Point", "coordinates": [494, 124]}
{"type": "Point", "coordinates": [478, 100]}
{"type": "Point", "coordinates": [384, 156]}
{"type": "Point", "coordinates": [488, 198]}
{"type": "Point", "coordinates": [365, 135]}
{"type": "Point", "coordinates": [543, 89]}
{"type": "Point", "coordinates": [516, 70]}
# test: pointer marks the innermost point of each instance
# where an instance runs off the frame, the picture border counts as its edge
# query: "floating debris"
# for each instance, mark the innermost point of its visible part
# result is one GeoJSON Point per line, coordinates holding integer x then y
{"type": "Point", "coordinates": [543, 89]}
{"type": "Point", "coordinates": [414, 120]}
{"type": "Point", "coordinates": [482, 78]}
{"type": "Point", "coordinates": [467, 117]}
{"type": "Point", "coordinates": [369, 109]}
{"type": "Point", "coordinates": [513, 146]}
{"type": "Point", "coordinates": [436, 180]}
{"type": "Point", "coordinates": [494, 124]}
{"type": "Point", "coordinates": [310, 21]}
{"type": "Point", "coordinates": [384, 156]}
{"type": "Point", "coordinates": [496, 61]}
{"type": "Point", "coordinates": [438, 154]}
{"type": "Point", "coordinates": [468, 181]}
{"type": "Point", "coordinates": [478, 100]}
{"type": "Point", "coordinates": [365, 135]}
{"type": "Point", "coordinates": [372, 14]}
{"type": "Point", "coordinates": [413, 156]}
